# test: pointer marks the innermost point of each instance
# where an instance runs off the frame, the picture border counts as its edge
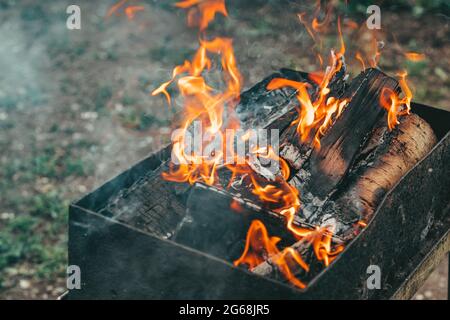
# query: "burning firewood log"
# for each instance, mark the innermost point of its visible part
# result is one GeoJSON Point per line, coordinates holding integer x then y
{"type": "Point", "coordinates": [322, 169]}
{"type": "Point", "coordinates": [329, 163]}
{"type": "Point", "coordinates": [381, 163]}
{"type": "Point", "coordinates": [341, 182]}
{"type": "Point", "coordinates": [387, 157]}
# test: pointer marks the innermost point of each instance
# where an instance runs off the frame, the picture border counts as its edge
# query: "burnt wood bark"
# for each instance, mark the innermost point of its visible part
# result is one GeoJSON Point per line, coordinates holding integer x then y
{"type": "Point", "coordinates": [386, 158]}
{"type": "Point", "coordinates": [159, 207]}
{"type": "Point", "coordinates": [339, 146]}
{"type": "Point", "coordinates": [151, 203]}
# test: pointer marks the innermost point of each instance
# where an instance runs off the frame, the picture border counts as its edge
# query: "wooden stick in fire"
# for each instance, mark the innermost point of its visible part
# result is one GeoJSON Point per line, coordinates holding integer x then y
{"type": "Point", "coordinates": [386, 158]}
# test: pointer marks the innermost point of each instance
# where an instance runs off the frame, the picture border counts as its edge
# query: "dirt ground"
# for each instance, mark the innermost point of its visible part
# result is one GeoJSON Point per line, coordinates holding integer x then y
{"type": "Point", "coordinates": [75, 108]}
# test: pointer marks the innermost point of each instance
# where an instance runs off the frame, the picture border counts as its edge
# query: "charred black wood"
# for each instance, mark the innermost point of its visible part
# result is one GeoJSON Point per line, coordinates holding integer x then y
{"type": "Point", "coordinates": [386, 158]}
{"type": "Point", "coordinates": [281, 109]}
{"type": "Point", "coordinates": [259, 107]}
{"type": "Point", "coordinates": [341, 143]}
{"type": "Point", "coordinates": [151, 204]}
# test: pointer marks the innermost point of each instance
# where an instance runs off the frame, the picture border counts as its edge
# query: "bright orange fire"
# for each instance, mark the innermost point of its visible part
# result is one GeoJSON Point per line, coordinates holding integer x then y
{"type": "Point", "coordinates": [282, 198]}
{"type": "Point", "coordinates": [414, 56]}
{"type": "Point", "coordinates": [395, 105]}
{"type": "Point", "coordinates": [202, 12]}
{"type": "Point", "coordinates": [320, 112]}
{"type": "Point", "coordinates": [260, 247]}
{"type": "Point", "coordinates": [316, 113]}
{"type": "Point", "coordinates": [359, 57]}
{"type": "Point", "coordinates": [389, 100]}
{"type": "Point", "coordinates": [315, 26]}
{"type": "Point", "coordinates": [203, 104]}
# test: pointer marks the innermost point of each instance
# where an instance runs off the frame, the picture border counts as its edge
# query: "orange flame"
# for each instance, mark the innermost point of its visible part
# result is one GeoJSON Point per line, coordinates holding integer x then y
{"type": "Point", "coordinates": [259, 247]}
{"type": "Point", "coordinates": [414, 56]}
{"type": "Point", "coordinates": [115, 8]}
{"type": "Point", "coordinates": [130, 11]}
{"type": "Point", "coordinates": [202, 102]}
{"type": "Point", "coordinates": [317, 114]}
{"type": "Point", "coordinates": [361, 60]}
{"type": "Point", "coordinates": [395, 105]}
{"type": "Point", "coordinates": [317, 26]}
{"type": "Point", "coordinates": [362, 223]}
{"type": "Point", "coordinates": [375, 59]}
{"type": "Point", "coordinates": [301, 17]}
{"type": "Point", "coordinates": [202, 12]}
{"type": "Point", "coordinates": [283, 198]}
{"type": "Point", "coordinates": [321, 26]}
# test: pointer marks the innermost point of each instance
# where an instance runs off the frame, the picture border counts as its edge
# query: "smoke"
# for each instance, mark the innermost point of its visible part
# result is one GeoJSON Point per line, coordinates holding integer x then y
{"type": "Point", "coordinates": [21, 78]}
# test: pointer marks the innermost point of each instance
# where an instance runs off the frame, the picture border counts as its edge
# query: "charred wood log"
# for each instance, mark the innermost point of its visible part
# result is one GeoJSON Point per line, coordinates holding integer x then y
{"type": "Point", "coordinates": [321, 170]}
{"type": "Point", "coordinates": [387, 157]}
{"type": "Point", "coordinates": [328, 165]}
{"type": "Point", "coordinates": [259, 107]}
{"type": "Point", "coordinates": [151, 204]}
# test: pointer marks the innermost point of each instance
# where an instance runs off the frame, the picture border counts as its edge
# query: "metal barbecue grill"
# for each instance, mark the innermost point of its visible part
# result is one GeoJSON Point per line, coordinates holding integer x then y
{"type": "Point", "coordinates": [133, 237]}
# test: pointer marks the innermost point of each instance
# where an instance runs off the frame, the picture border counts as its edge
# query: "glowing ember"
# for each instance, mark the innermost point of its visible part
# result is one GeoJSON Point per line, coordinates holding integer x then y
{"type": "Point", "coordinates": [389, 100]}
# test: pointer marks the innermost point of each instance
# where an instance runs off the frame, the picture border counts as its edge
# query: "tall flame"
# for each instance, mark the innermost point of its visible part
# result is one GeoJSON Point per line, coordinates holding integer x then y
{"type": "Point", "coordinates": [205, 103]}
{"type": "Point", "coordinates": [131, 11]}
{"type": "Point", "coordinates": [394, 105]}
{"type": "Point", "coordinates": [316, 113]}
{"type": "Point", "coordinates": [283, 198]}
{"type": "Point", "coordinates": [201, 103]}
